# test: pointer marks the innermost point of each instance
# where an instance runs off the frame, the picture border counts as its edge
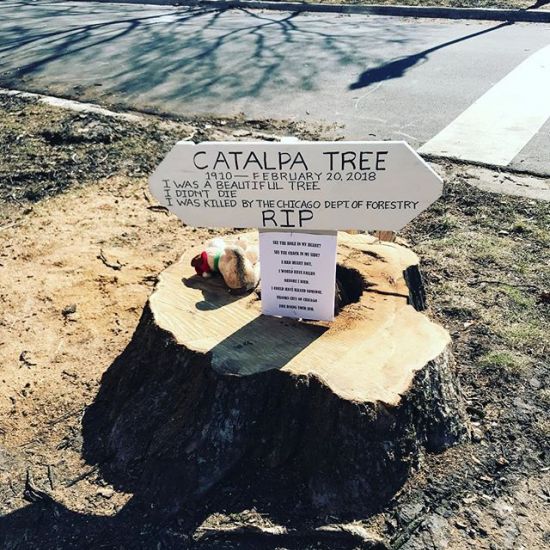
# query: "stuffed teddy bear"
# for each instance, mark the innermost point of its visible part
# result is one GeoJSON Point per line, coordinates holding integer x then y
{"type": "Point", "coordinates": [236, 261]}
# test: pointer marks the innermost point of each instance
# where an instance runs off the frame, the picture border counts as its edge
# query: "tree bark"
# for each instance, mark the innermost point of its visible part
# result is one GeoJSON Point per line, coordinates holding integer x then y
{"type": "Point", "coordinates": [333, 416]}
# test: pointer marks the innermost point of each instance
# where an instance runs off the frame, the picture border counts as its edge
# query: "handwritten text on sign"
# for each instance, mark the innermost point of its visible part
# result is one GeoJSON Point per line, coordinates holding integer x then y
{"type": "Point", "coordinates": [321, 185]}
{"type": "Point", "coordinates": [298, 274]}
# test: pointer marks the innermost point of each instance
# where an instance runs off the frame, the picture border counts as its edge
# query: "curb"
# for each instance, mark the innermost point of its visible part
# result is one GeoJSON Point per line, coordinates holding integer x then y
{"type": "Point", "coordinates": [70, 104]}
{"type": "Point", "coordinates": [487, 14]}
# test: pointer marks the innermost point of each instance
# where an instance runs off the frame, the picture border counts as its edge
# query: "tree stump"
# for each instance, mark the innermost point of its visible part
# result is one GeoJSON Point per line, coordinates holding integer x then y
{"type": "Point", "coordinates": [331, 415]}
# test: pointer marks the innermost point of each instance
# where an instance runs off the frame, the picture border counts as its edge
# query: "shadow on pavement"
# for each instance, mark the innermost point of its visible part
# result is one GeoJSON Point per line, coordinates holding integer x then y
{"type": "Point", "coordinates": [180, 53]}
{"type": "Point", "coordinates": [398, 68]}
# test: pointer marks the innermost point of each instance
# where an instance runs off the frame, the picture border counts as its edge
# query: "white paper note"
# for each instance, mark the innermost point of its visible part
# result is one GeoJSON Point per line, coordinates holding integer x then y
{"type": "Point", "coordinates": [298, 273]}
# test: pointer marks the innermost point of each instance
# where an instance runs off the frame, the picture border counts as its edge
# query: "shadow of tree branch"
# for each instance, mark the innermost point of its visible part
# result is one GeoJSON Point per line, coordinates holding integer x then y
{"type": "Point", "coordinates": [180, 53]}
{"type": "Point", "coordinates": [398, 67]}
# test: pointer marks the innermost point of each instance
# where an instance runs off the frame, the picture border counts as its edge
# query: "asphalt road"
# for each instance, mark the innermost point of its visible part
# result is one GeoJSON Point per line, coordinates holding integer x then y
{"type": "Point", "coordinates": [379, 77]}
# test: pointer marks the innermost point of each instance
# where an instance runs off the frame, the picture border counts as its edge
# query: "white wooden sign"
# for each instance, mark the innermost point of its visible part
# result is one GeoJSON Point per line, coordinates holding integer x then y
{"type": "Point", "coordinates": [298, 274]}
{"type": "Point", "coordinates": [305, 185]}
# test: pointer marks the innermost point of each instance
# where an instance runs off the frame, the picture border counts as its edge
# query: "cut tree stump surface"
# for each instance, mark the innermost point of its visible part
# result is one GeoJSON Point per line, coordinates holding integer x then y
{"type": "Point", "coordinates": [287, 414]}
{"type": "Point", "coordinates": [369, 353]}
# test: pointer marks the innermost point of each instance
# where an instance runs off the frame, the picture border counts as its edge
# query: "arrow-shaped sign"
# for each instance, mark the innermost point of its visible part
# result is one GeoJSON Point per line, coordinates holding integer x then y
{"type": "Point", "coordinates": [305, 185]}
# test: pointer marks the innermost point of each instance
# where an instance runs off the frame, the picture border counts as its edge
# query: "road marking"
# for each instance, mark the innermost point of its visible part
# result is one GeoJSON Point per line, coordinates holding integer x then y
{"type": "Point", "coordinates": [496, 127]}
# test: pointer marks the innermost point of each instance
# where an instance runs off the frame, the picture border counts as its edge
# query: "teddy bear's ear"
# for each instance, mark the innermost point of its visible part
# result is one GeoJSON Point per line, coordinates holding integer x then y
{"type": "Point", "coordinates": [196, 261]}
{"type": "Point", "coordinates": [242, 242]}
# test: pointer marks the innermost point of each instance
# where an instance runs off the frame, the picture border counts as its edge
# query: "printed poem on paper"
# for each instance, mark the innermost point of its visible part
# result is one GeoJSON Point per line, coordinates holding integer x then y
{"type": "Point", "coordinates": [298, 274]}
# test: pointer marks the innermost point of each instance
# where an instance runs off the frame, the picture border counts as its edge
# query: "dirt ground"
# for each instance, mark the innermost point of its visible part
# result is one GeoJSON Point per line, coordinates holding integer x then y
{"type": "Point", "coordinates": [81, 244]}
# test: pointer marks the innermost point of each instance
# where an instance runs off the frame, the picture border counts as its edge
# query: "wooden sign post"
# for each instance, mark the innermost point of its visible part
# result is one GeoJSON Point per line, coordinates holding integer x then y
{"type": "Point", "coordinates": [298, 188]}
